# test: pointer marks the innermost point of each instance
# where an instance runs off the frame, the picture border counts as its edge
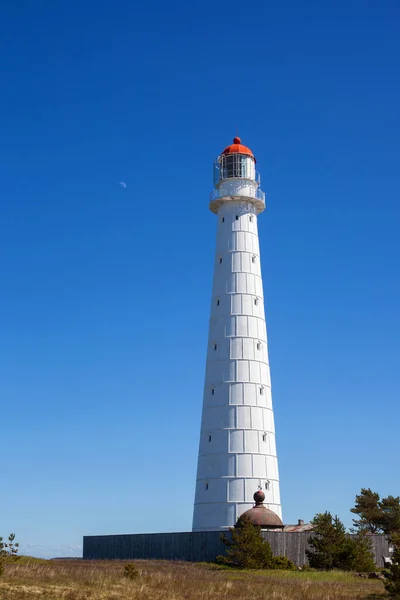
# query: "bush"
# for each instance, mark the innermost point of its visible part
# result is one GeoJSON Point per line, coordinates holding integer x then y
{"type": "Point", "coordinates": [246, 548]}
{"type": "Point", "coordinates": [308, 568]}
{"type": "Point", "coordinates": [130, 571]}
{"type": "Point", "coordinates": [283, 563]}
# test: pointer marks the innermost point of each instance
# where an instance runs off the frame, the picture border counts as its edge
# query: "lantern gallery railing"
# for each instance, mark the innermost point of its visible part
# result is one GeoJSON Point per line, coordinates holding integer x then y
{"type": "Point", "coordinates": [244, 190]}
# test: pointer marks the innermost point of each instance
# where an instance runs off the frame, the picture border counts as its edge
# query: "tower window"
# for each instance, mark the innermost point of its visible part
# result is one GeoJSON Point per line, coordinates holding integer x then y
{"type": "Point", "coordinates": [261, 390]}
{"type": "Point", "coordinates": [220, 260]}
{"type": "Point", "coordinates": [251, 219]}
{"type": "Point", "coordinates": [206, 486]}
{"type": "Point", "coordinates": [223, 219]}
{"type": "Point", "coordinates": [266, 485]}
{"type": "Point", "coordinates": [258, 345]}
{"type": "Point", "coordinates": [237, 217]}
{"type": "Point", "coordinates": [209, 438]}
{"type": "Point", "coordinates": [215, 346]}
{"type": "Point", "coordinates": [253, 259]}
{"type": "Point", "coordinates": [255, 301]}
{"type": "Point", "coordinates": [217, 302]}
{"type": "Point", "coordinates": [212, 391]}
{"type": "Point", "coordinates": [264, 437]}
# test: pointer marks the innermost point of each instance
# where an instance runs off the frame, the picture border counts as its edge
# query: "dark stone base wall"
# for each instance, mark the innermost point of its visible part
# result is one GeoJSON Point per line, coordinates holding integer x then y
{"type": "Point", "coordinates": [201, 546]}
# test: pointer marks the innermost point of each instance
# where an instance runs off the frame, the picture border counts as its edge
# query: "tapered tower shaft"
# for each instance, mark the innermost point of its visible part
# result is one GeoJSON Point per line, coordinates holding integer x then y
{"type": "Point", "coordinates": [237, 452]}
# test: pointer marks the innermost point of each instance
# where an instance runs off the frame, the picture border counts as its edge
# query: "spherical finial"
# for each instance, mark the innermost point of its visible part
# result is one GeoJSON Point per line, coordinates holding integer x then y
{"type": "Point", "coordinates": [259, 497]}
{"type": "Point", "coordinates": [237, 140]}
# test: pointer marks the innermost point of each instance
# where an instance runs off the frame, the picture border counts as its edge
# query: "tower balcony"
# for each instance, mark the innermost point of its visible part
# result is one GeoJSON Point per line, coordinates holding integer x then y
{"type": "Point", "coordinates": [237, 189]}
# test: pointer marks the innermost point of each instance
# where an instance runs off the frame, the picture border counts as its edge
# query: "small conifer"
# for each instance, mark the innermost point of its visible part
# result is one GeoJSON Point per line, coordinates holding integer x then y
{"type": "Point", "coordinates": [246, 548]}
{"type": "Point", "coordinates": [362, 558]}
{"type": "Point", "coordinates": [332, 548]}
{"type": "Point", "coordinates": [8, 551]}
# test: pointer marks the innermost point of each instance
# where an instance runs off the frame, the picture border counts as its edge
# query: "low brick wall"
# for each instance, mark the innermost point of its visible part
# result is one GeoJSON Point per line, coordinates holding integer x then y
{"type": "Point", "coordinates": [201, 546]}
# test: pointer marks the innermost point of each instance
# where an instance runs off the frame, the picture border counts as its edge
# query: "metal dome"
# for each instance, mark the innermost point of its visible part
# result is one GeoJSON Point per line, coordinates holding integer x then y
{"type": "Point", "coordinates": [262, 516]}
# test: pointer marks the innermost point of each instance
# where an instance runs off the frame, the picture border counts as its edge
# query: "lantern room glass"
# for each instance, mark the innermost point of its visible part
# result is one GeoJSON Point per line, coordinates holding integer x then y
{"type": "Point", "coordinates": [236, 165]}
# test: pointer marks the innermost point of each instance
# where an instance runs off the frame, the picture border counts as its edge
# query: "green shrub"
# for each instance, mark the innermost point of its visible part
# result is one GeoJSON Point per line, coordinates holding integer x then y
{"type": "Point", "coordinates": [130, 571]}
{"type": "Point", "coordinates": [283, 563]}
{"type": "Point", "coordinates": [308, 568]}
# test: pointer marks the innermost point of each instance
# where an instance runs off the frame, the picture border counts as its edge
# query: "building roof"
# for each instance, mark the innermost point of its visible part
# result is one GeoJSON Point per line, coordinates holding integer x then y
{"type": "Point", "coordinates": [299, 527]}
{"type": "Point", "coordinates": [238, 148]}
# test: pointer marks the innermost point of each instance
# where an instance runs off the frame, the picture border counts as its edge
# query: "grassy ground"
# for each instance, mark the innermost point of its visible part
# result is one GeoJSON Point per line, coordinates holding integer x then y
{"type": "Point", "coordinates": [161, 580]}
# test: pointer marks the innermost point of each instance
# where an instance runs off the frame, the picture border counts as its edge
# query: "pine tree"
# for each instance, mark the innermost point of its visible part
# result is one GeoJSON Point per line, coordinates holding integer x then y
{"type": "Point", "coordinates": [392, 582]}
{"type": "Point", "coordinates": [376, 515]}
{"type": "Point", "coordinates": [390, 514]}
{"type": "Point", "coordinates": [246, 548]}
{"type": "Point", "coordinates": [368, 509]}
{"type": "Point", "coordinates": [363, 557]}
{"type": "Point", "coordinates": [331, 548]}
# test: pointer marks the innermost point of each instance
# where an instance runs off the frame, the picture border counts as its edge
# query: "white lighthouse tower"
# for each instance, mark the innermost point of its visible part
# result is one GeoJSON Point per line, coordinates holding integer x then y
{"type": "Point", "coordinates": [237, 453]}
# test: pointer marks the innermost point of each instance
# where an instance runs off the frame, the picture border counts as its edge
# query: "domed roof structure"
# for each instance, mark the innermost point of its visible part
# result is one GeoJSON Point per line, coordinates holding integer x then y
{"type": "Point", "coordinates": [238, 148]}
{"type": "Point", "coordinates": [262, 516]}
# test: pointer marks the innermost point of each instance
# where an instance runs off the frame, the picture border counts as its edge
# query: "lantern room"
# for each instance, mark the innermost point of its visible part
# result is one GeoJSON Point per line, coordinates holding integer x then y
{"type": "Point", "coordinates": [236, 160]}
{"type": "Point", "coordinates": [235, 176]}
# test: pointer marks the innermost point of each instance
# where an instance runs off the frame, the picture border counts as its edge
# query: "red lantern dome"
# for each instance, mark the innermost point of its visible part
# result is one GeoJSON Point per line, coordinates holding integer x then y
{"type": "Point", "coordinates": [238, 148]}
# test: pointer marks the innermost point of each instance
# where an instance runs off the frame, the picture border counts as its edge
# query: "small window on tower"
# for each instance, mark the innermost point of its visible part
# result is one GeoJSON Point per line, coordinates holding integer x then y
{"type": "Point", "coordinates": [255, 301]}
{"type": "Point", "coordinates": [209, 438]}
{"type": "Point", "coordinates": [261, 390]}
{"type": "Point", "coordinates": [206, 486]}
{"type": "Point", "coordinates": [220, 259]}
{"type": "Point", "coordinates": [223, 219]}
{"type": "Point", "coordinates": [237, 217]}
{"type": "Point", "coordinates": [217, 302]}
{"type": "Point", "coordinates": [215, 346]}
{"type": "Point", "coordinates": [266, 485]}
{"type": "Point", "coordinates": [264, 438]}
{"type": "Point", "coordinates": [253, 259]}
{"type": "Point", "coordinates": [258, 345]}
{"type": "Point", "coordinates": [212, 391]}
{"type": "Point", "coordinates": [251, 219]}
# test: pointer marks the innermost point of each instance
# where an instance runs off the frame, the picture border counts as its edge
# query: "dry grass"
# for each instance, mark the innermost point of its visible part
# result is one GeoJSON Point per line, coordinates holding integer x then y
{"type": "Point", "coordinates": [161, 580]}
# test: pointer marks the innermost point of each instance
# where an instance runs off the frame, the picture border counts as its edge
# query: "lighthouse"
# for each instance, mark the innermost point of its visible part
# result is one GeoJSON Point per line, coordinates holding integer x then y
{"type": "Point", "coordinates": [237, 450]}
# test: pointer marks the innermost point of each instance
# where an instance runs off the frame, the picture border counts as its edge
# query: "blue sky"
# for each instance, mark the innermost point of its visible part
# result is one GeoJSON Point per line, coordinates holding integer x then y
{"type": "Point", "coordinates": [104, 291]}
